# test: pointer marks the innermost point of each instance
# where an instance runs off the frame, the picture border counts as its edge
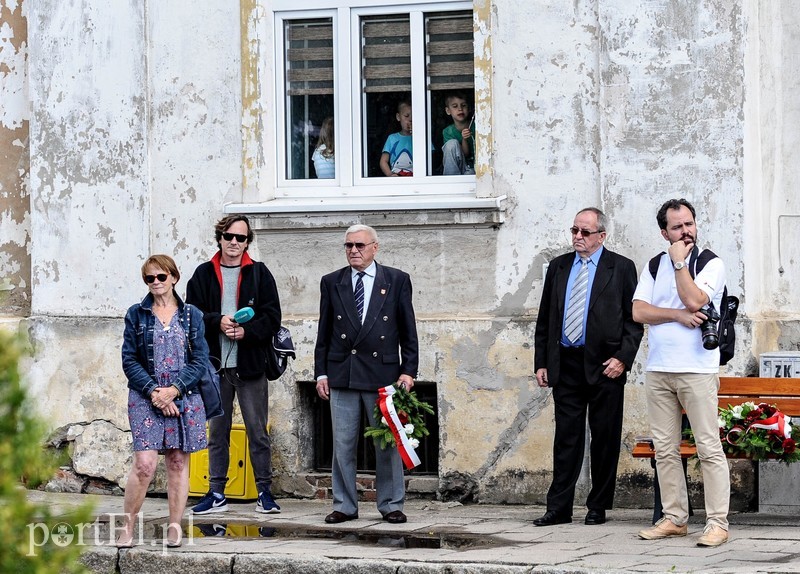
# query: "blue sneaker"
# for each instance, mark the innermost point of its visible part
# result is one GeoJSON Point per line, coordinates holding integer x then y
{"type": "Point", "coordinates": [211, 502]}
{"type": "Point", "coordinates": [267, 504]}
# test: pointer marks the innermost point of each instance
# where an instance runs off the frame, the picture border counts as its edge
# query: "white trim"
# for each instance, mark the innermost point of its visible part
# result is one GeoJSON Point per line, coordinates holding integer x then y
{"type": "Point", "coordinates": [395, 203]}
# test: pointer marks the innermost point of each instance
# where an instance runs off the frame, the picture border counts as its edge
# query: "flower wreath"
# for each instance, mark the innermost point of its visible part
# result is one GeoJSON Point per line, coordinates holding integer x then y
{"type": "Point", "coordinates": [758, 432]}
{"type": "Point", "coordinates": [411, 412]}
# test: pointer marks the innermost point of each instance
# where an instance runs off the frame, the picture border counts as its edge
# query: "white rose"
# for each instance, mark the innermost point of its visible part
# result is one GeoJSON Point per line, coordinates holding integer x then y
{"type": "Point", "coordinates": [720, 422]}
{"type": "Point", "coordinates": [414, 443]}
{"type": "Point", "coordinates": [383, 421]}
{"type": "Point", "coordinates": [409, 429]}
{"type": "Point", "coordinates": [737, 411]}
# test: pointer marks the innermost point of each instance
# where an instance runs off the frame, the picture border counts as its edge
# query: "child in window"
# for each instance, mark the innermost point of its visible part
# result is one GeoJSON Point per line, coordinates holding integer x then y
{"type": "Point", "coordinates": [396, 159]}
{"type": "Point", "coordinates": [458, 150]}
{"type": "Point", "coordinates": [323, 157]}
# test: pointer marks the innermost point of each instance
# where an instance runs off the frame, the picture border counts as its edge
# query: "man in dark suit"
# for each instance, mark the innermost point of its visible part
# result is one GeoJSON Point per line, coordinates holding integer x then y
{"type": "Point", "coordinates": [585, 342]}
{"type": "Point", "coordinates": [367, 339]}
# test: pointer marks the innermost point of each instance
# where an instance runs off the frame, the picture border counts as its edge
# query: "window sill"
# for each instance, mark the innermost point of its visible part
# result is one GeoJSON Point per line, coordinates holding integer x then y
{"type": "Point", "coordinates": [395, 211]}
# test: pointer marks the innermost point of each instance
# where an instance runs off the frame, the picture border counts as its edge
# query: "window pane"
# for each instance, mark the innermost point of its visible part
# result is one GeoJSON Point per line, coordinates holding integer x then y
{"type": "Point", "coordinates": [309, 98]}
{"type": "Point", "coordinates": [450, 76]}
{"type": "Point", "coordinates": [386, 83]}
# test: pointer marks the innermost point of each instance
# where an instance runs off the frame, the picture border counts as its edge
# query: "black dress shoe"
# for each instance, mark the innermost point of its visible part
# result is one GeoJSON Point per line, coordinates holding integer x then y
{"type": "Point", "coordinates": [336, 517]}
{"type": "Point", "coordinates": [595, 517]}
{"type": "Point", "coordinates": [551, 518]}
{"type": "Point", "coordinates": [395, 517]}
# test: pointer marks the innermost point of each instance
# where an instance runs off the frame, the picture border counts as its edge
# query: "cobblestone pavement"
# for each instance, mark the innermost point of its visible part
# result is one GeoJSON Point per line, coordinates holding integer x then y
{"type": "Point", "coordinates": [438, 537]}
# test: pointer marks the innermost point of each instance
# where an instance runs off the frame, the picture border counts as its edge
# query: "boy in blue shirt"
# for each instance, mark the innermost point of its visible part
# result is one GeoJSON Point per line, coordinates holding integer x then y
{"type": "Point", "coordinates": [396, 159]}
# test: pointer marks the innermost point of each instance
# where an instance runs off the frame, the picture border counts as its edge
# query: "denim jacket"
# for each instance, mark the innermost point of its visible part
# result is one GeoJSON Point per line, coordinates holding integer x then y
{"type": "Point", "coordinates": [137, 347]}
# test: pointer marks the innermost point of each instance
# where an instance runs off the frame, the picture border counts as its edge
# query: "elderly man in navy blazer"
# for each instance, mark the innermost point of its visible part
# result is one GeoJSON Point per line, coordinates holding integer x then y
{"type": "Point", "coordinates": [585, 342]}
{"type": "Point", "coordinates": [367, 339]}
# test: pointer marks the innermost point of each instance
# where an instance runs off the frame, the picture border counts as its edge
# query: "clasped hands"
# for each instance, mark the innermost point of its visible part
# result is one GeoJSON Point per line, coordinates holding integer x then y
{"type": "Point", "coordinates": [163, 398]}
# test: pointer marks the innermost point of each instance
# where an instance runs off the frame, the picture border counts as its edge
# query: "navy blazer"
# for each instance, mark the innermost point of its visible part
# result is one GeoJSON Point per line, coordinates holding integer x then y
{"type": "Point", "coordinates": [610, 328]}
{"type": "Point", "coordinates": [374, 355]}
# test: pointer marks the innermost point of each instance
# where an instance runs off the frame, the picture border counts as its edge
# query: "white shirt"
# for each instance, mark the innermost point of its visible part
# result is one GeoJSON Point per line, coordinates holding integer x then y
{"type": "Point", "coordinates": [675, 348]}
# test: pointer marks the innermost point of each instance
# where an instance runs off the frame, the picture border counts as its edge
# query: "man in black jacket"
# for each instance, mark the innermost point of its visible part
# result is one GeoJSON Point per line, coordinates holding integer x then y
{"type": "Point", "coordinates": [220, 287]}
{"type": "Point", "coordinates": [585, 342]}
{"type": "Point", "coordinates": [367, 339]}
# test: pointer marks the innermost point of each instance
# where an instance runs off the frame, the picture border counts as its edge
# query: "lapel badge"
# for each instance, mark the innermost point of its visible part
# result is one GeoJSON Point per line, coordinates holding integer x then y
{"type": "Point", "coordinates": [383, 291]}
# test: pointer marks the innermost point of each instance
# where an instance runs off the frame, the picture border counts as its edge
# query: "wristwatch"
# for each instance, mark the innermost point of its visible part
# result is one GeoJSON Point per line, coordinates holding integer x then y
{"type": "Point", "coordinates": [679, 265]}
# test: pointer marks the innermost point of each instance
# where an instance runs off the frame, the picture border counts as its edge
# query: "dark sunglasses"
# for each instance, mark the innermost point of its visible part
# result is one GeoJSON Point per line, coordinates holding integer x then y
{"type": "Point", "coordinates": [360, 246]}
{"type": "Point", "coordinates": [152, 278]}
{"type": "Point", "coordinates": [229, 237]}
{"type": "Point", "coordinates": [583, 232]}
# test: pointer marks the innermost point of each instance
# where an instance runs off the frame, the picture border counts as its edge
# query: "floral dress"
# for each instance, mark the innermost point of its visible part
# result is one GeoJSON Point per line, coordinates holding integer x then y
{"type": "Point", "coordinates": [151, 430]}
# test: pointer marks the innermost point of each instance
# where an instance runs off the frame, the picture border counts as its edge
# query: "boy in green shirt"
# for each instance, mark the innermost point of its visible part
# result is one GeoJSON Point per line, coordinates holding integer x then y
{"type": "Point", "coordinates": [459, 142]}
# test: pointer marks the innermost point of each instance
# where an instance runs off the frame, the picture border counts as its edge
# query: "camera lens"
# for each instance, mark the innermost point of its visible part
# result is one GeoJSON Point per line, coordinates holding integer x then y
{"type": "Point", "coordinates": [708, 328]}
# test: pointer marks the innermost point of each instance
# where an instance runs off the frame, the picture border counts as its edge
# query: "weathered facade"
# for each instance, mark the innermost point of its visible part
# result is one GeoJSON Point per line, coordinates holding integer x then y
{"type": "Point", "coordinates": [127, 128]}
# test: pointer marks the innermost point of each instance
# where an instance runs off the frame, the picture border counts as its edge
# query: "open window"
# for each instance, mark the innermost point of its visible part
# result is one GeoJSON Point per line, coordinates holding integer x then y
{"type": "Point", "coordinates": [356, 84]}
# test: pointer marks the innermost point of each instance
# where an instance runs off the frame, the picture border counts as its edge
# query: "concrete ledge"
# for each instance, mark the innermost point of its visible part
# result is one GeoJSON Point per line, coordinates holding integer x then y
{"type": "Point", "coordinates": [167, 561]}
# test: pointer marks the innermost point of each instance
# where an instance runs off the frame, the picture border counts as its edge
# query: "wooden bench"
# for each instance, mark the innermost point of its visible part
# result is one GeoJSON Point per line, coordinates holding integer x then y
{"type": "Point", "coordinates": [784, 393]}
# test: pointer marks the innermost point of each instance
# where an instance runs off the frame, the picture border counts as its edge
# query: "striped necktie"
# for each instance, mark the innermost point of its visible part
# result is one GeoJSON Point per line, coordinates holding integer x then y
{"type": "Point", "coordinates": [573, 324]}
{"type": "Point", "coordinates": [359, 295]}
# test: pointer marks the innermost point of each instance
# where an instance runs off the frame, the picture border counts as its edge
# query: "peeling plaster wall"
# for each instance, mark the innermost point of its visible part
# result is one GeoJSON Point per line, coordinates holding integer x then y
{"type": "Point", "coordinates": [773, 203]}
{"type": "Point", "coordinates": [89, 172]}
{"type": "Point", "coordinates": [15, 262]}
{"type": "Point", "coordinates": [147, 117]}
{"type": "Point", "coordinates": [195, 134]}
{"type": "Point", "coordinates": [136, 144]}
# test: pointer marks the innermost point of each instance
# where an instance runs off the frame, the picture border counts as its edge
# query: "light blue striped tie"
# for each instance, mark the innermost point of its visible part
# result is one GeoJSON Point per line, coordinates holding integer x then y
{"type": "Point", "coordinates": [573, 325]}
{"type": "Point", "coordinates": [359, 295]}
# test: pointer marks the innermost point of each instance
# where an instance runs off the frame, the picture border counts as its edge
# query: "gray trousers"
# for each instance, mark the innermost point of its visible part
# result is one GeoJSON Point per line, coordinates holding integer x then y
{"type": "Point", "coordinates": [346, 421]}
{"type": "Point", "coordinates": [253, 395]}
{"type": "Point", "coordinates": [453, 159]}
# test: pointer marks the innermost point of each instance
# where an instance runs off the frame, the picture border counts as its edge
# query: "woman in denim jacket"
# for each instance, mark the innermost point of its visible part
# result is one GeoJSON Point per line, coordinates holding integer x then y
{"type": "Point", "coordinates": [164, 353]}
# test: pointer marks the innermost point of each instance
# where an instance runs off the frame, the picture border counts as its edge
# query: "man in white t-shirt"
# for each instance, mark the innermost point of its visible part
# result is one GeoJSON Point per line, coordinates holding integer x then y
{"type": "Point", "coordinates": [682, 375]}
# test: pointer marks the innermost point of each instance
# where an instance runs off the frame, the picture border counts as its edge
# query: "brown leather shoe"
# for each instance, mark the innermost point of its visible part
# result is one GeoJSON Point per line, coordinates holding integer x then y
{"type": "Point", "coordinates": [713, 536]}
{"type": "Point", "coordinates": [336, 517]}
{"type": "Point", "coordinates": [395, 517]}
{"type": "Point", "coordinates": [664, 528]}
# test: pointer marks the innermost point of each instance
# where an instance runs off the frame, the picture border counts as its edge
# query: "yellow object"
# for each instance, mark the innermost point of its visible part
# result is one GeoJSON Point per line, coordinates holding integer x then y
{"type": "Point", "coordinates": [241, 480]}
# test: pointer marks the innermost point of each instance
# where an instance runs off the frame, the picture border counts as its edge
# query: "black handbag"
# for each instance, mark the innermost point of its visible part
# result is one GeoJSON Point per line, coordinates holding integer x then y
{"type": "Point", "coordinates": [208, 385]}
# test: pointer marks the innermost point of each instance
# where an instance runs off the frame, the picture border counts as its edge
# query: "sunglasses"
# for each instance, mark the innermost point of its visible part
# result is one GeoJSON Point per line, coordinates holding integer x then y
{"type": "Point", "coordinates": [360, 246]}
{"type": "Point", "coordinates": [152, 278]}
{"type": "Point", "coordinates": [229, 237]}
{"type": "Point", "coordinates": [583, 232]}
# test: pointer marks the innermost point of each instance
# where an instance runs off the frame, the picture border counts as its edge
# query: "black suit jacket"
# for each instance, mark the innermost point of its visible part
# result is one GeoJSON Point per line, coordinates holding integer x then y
{"type": "Point", "coordinates": [374, 355]}
{"type": "Point", "coordinates": [610, 328]}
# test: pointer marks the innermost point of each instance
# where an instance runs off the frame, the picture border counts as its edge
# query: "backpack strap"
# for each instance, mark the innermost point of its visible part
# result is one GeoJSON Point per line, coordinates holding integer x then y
{"type": "Point", "coordinates": [654, 263]}
{"type": "Point", "coordinates": [705, 256]}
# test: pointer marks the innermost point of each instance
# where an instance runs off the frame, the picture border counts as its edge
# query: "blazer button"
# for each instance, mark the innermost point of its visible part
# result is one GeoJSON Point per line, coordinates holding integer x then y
{"type": "Point", "coordinates": [353, 352]}
{"type": "Point", "coordinates": [344, 336]}
{"type": "Point", "coordinates": [339, 317]}
{"type": "Point", "coordinates": [383, 337]}
{"type": "Point", "coordinates": [375, 354]}
{"type": "Point", "coordinates": [385, 318]}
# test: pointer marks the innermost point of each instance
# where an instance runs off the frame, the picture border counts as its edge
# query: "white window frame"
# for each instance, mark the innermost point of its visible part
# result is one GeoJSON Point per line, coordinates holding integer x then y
{"type": "Point", "coordinates": [348, 105]}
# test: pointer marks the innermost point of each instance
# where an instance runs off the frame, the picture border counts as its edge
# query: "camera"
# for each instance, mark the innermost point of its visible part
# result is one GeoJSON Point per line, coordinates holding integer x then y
{"type": "Point", "coordinates": [708, 328]}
